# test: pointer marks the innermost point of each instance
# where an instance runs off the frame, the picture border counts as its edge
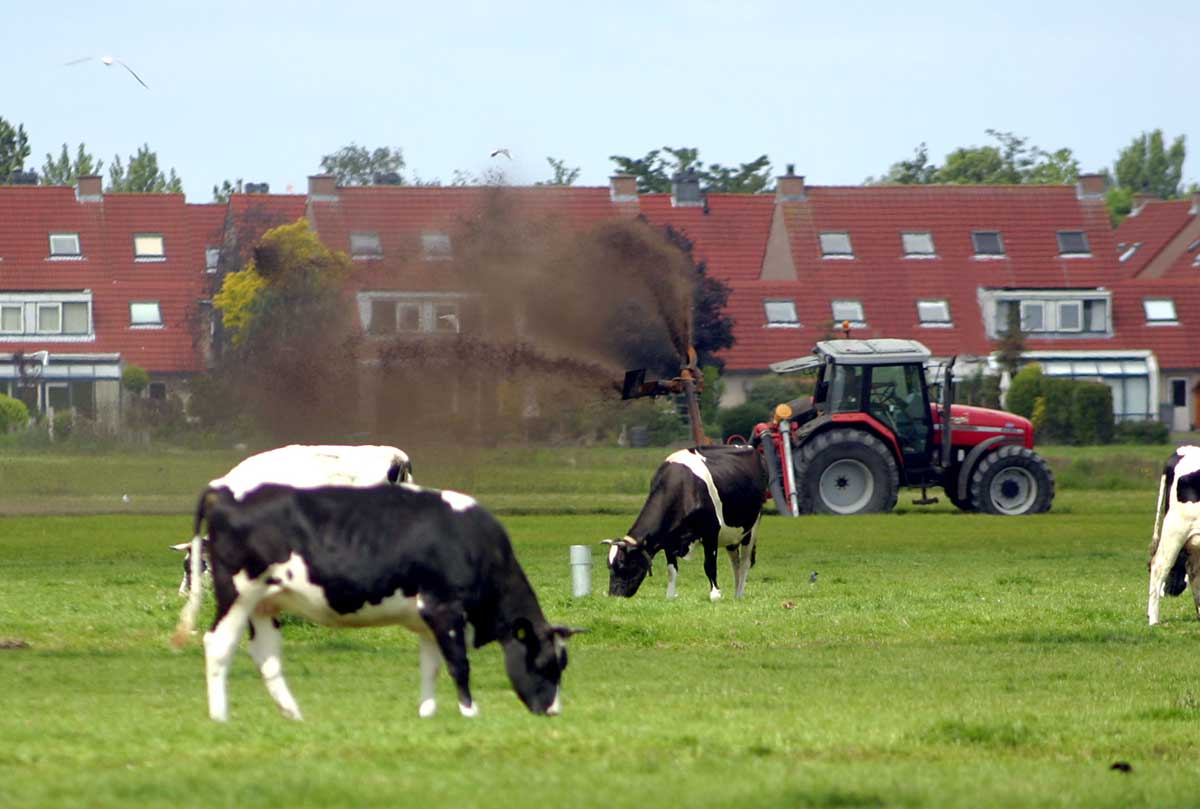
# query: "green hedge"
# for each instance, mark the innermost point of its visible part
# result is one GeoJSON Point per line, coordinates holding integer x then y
{"type": "Point", "coordinates": [13, 413]}
{"type": "Point", "coordinates": [1063, 411]}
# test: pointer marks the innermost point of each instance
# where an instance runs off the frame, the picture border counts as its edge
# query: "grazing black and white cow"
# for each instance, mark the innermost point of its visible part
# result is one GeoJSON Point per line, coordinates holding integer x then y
{"type": "Point", "coordinates": [1175, 547]}
{"type": "Point", "coordinates": [304, 467]}
{"type": "Point", "coordinates": [432, 561]}
{"type": "Point", "coordinates": [711, 495]}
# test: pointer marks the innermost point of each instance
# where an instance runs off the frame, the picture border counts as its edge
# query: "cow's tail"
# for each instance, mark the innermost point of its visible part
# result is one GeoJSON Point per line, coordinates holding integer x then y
{"type": "Point", "coordinates": [187, 617]}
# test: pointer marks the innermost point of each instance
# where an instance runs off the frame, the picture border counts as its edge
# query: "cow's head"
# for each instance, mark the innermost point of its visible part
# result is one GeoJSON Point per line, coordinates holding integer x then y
{"type": "Point", "coordinates": [535, 656]}
{"type": "Point", "coordinates": [628, 565]}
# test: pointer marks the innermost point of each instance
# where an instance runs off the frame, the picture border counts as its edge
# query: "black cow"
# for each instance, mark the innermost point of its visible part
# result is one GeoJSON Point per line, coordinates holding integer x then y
{"type": "Point", "coordinates": [1175, 547]}
{"type": "Point", "coordinates": [712, 495]}
{"type": "Point", "coordinates": [432, 561]}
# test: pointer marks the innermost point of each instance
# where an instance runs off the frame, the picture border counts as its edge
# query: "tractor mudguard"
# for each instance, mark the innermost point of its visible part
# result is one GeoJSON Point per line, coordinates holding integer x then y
{"type": "Point", "coordinates": [980, 449]}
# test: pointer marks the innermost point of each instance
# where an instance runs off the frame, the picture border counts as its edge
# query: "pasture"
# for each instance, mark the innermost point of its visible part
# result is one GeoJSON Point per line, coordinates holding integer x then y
{"type": "Point", "coordinates": [941, 659]}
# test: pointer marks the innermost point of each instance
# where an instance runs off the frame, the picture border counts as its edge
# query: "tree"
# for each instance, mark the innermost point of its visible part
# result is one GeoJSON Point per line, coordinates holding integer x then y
{"type": "Point", "coordinates": [143, 175]}
{"type": "Point", "coordinates": [1012, 162]}
{"type": "Point", "coordinates": [655, 171]}
{"type": "Point", "coordinates": [221, 192]}
{"type": "Point", "coordinates": [14, 148]}
{"type": "Point", "coordinates": [357, 165]}
{"type": "Point", "coordinates": [1145, 166]}
{"type": "Point", "coordinates": [64, 171]}
{"type": "Point", "coordinates": [562, 174]}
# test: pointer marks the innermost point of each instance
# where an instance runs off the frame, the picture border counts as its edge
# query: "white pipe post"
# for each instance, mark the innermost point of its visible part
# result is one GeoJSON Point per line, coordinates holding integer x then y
{"type": "Point", "coordinates": [581, 570]}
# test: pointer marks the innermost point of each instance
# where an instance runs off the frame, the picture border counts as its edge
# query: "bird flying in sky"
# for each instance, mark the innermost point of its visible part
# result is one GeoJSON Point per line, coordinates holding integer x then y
{"type": "Point", "coordinates": [502, 152]}
{"type": "Point", "coordinates": [108, 61]}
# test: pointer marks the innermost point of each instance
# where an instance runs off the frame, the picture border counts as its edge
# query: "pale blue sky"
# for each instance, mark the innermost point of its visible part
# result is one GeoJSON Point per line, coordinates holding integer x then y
{"type": "Point", "coordinates": [260, 89]}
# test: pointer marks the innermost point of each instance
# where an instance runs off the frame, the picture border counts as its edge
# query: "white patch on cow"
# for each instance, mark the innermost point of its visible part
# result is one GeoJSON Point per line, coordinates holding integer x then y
{"type": "Point", "coordinates": [672, 575]}
{"type": "Point", "coordinates": [714, 594]}
{"type": "Point", "coordinates": [613, 550]}
{"type": "Point", "coordinates": [296, 593]}
{"type": "Point", "coordinates": [695, 462]}
{"type": "Point", "coordinates": [470, 711]}
{"type": "Point", "coordinates": [307, 467]}
{"type": "Point", "coordinates": [458, 501]}
{"type": "Point", "coordinates": [556, 706]}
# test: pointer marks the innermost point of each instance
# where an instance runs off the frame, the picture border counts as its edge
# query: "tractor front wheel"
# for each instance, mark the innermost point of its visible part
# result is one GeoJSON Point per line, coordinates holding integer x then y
{"type": "Point", "coordinates": [1012, 481]}
{"type": "Point", "coordinates": [846, 472]}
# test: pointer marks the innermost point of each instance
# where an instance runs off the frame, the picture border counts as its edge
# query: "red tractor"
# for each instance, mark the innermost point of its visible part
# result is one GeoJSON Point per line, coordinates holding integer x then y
{"type": "Point", "coordinates": [872, 428]}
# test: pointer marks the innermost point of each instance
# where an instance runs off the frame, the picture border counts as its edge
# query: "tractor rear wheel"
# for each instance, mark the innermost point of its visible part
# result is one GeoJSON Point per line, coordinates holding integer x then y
{"type": "Point", "coordinates": [846, 472]}
{"type": "Point", "coordinates": [1012, 480]}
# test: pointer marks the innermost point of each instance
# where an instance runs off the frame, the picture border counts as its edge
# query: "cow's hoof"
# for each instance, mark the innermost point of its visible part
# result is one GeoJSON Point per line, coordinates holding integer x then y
{"type": "Point", "coordinates": [470, 711]}
{"type": "Point", "coordinates": [714, 595]}
{"type": "Point", "coordinates": [291, 713]}
{"type": "Point", "coordinates": [428, 708]}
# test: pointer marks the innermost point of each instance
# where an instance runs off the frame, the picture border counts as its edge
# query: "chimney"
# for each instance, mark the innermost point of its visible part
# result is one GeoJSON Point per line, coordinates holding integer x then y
{"type": "Point", "coordinates": [258, 188]}
{"type": "Point", "coordinates": [90, 188]}
{"type": "Point", "coordinates": [623, 188]}
{"type": "Point", "coordinates": [323, 187]}
{"type": "Point", "coordinates": [1090, 186]}
{"type": "Point", "coordinates": [790, 187]}
{"type": "Point", "coordinates": [685, 190]}
{"type": "Point", "coordinates": [387, 178]}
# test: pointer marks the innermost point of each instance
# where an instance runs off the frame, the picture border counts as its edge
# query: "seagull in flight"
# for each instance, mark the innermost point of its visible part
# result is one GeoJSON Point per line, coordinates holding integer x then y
{"type": "Point", "coordinates": [504, 152]}
{"type": "Point", "coordinates": [108, 62]}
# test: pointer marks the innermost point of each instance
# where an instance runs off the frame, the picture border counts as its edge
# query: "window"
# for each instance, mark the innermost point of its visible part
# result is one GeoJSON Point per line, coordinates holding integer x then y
{"type": "Point", "coordinates": [148, 247]}
{"type": "Point", "coordinates": [157, 391]}
{"type": "Point", "coordinates": [12, 319]}
{"type": "Point", "coordinates": [987, 243]}
{"type": "Point", "coordinates": [1070, 316]}
{"type": "Point", "coordinates": [144, 313]}
{"type": "Point", "coordinates": [1128, 252]}
{"type": "Point", "coordinates": [365, 245]}
{"type": "Point", "coordinates": [212, 258]}
{"type": "Point", "coordinates": [836, 245]}
{"type": "Point", "coordinates": [781, 313]}
{"type": "Point", "coordinates": [446, 318]}
{"type": "Point", "coordinates": [917, 244]}
{"type": "Point", "coordinates": [436, 246]}
{"type": "Point", "coordinates": [848, 310]}
{"type": "Point", "coordinates": [1073, 243]}
{"type": "Point", "coordinates": [1179, 392]}
{"type": "Point", "coordinates": [383, 317]}
{"type": "Point", "coordinates": [408, 317]}
{"type": "Point", "coordinates": [75, 318]}
{"type": "Point", "coordinates": [1159, 310]}
{"type": "Point", "coordinates": [49, 318]}
{"type": "Point", "coordinates": [64, 245]}
{"type": "Point", "coordinates": [1096, 319]}
{"type": "Point", "coordinates": [933, 313]}
{"type": "Point", "coordinates": [1033, 316]}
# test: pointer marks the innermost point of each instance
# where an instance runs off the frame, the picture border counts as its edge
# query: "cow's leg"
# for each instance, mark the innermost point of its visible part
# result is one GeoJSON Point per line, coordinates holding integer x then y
{"type": "Point", "coordinates": [1193, 571]}
{"type": "Point", "coordinates": [672, 573]}
{"type": "Point", "coordinates": [431, 664]}
{"type": "Point", "coordinates": [710, 570]}
{"type": "Point", "coordinates": [745, 562]}
{"type": "Point", "coordinates": [449, 627]}
{"type": "Point", "coordinates": [220, 643]}
{"type": "Point", "coordinates": [266, 647]}
{"type": "Point", "coordinates": [1174, 534]}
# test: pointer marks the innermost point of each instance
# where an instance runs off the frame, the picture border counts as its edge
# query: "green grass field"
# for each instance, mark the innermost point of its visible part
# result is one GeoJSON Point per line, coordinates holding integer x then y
{"type": "Point", "coordinates": [941, 659]}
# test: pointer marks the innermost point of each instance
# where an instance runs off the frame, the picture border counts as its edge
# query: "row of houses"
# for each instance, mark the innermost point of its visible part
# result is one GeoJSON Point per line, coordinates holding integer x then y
{"type": "Point", "coordinates": [92, 282]}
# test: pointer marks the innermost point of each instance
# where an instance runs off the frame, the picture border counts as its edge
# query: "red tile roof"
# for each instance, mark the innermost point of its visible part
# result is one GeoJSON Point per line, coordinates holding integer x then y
{"type": "Point", "coordinates": [1153, 226]}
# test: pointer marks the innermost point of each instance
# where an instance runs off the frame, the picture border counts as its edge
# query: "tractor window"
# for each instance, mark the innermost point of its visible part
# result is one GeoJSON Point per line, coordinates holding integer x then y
{"type": "Point", "coordinates": [845, 389]}
{"type": "Point", "coordinates": [898, 401]}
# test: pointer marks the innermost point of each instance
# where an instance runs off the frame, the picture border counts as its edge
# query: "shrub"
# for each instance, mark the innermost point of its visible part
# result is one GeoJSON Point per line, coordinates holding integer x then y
{"type": "Point", "coordinates": [1058, 427]}
{"type": "Point", "coordinates": [978, 389]}
{"type": "Point", "coordinates": [740, 420]}
{"type": "Point", "coordinates": [135, 379]}
{"type": "Point", "coordinates": [1142, 432]}
{"type": "Point", "coordinates": [13, 413]}
{"type": "Point", "coordinates": [1092, 413]}
{"type": "Point", "coordinates": [1026, 387]}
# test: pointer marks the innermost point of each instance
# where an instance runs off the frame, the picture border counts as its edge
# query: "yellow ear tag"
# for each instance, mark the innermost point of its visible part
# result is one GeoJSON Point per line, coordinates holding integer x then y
{"type": "Point", "coordinates": [520, 634]}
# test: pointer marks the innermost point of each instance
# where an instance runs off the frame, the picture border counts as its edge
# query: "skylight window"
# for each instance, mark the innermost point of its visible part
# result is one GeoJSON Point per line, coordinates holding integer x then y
{"type": "Point", "coordinates": [365, 245]}
{"type": "Point", "coordinates": [933, 313]}
{"type": "Point", "coordinates": [1159, 311]}
{"type": "Point", "coordinates": [1073, 243]}
{"type": "Point", "coordinates": [212, 258]}
{"type": "Point", "coordinates": [987, 243]}
{"type": "Point", "coordinates": [64, 245]}
{"type": "Point", "coordinates": [148, 247]}
{"type": "Point", "coordinates": [1129, 251]}
{"type": "Point", "coordinates": [918, 244]}
{"type": "Point", "coordinates": [848, 310]}
{"type": "Point", "coordinates": [436, 246]}
{"type": "Point", "coordinates": [781, 313]}
{"type": "Point", "coordinates": [836, 245]}
{"type": "Point", "coordinates": [144, 313]}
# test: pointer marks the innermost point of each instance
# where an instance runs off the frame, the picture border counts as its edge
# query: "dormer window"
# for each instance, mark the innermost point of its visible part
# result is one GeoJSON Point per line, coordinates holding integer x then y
{"type": "Point", "coordinates": [1073, 243]}
{"type": "Point", "coordinates": [365, 246]}
{"type": "Point", "coordinates": [436, 246]}
{"type": "Point", "coordinates": [988, 243]}
{"type": "Point", "coordinates": [849, 310]}
{"type": "Point", "coordinates": [148, 247]}
{"type": "Point", "coordinates": [64, 245]}
{"type": "Point", "coordinates": [12, 320]}
{"type": "Point", "coordinates": [836, 244]}
{"type": "Point", "coordinates": [781, 313]}
{"type": "Point", "coordinates": [1160, 311]}
{"type": "Point", "coordinates": [212, 258]}
{"type": "Point", "coordinates": [918, 244]}
{"type": "Point", "coordinates": [144, 314]}
{"type": "Point", "coordinates": [933, 313]}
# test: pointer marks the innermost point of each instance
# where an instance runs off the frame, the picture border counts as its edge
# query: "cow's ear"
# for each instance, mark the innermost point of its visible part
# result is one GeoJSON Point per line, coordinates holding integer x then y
{"type": "Point", "coordinates": [182, 546]}
{"type": "Point", "coordinates": [565, 632]}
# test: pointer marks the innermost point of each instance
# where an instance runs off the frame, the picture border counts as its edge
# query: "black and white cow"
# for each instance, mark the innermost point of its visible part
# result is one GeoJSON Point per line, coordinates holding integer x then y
{"type": "Point", "coordinates": [711, 495]}
{"type": "Point", "coordinates": [432, 561]}
{"type": "Point", "coordinates": [1175, 547]}
{"type": "Point", "coordinates": [306, 466]}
